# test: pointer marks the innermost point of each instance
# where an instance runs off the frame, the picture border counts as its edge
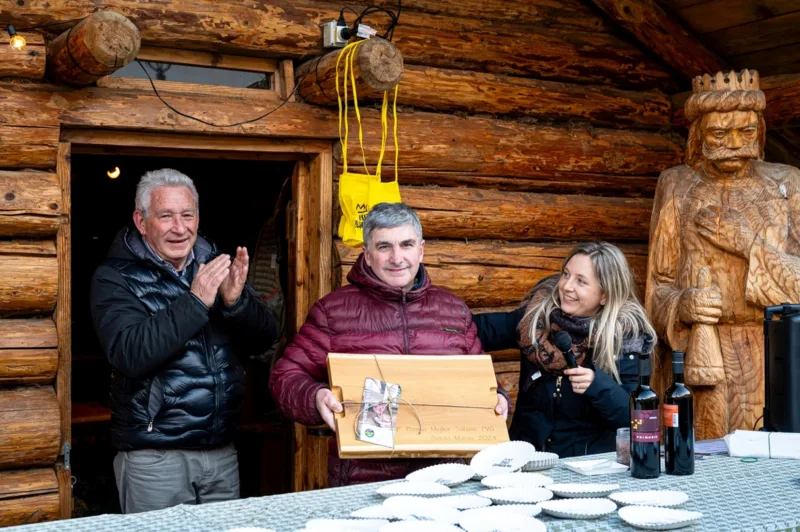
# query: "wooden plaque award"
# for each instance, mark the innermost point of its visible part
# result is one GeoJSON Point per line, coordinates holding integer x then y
{"type": "Point", "coordinates": [445, 408]}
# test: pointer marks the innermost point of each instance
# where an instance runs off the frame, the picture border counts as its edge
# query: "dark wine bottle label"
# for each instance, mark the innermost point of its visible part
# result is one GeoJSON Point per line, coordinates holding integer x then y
{"type": "Point", "coordinates": [645, 425]}
{"type": "Point", "coordinates": [671, 416]}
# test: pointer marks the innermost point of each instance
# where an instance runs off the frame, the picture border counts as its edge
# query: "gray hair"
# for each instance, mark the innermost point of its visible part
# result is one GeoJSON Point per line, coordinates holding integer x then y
{"type": "Point", "coordinates": [165, 177]}
{"type": "Point", "coordinates": [389, 215]}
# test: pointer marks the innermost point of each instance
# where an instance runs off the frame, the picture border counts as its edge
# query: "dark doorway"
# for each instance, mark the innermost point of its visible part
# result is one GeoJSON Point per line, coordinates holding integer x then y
{"type": "Point", "coordinates": [242, 203]}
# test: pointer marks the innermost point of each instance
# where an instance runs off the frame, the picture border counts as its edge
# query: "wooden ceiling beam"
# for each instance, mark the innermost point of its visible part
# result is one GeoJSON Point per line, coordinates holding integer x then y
{"type": "Point", "coordinates": [663, 35]}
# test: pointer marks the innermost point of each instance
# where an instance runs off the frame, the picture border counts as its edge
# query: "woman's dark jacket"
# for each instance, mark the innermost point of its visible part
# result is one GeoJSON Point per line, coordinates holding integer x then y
{"type": "Point", "coordinates": [567, 424]}
{"type": "Point", "coordinates": [175, 380]}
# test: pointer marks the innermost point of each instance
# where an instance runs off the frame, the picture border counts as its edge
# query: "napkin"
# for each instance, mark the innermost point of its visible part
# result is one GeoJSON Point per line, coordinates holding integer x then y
{"type": "Point", "coordinates": [763, 444]}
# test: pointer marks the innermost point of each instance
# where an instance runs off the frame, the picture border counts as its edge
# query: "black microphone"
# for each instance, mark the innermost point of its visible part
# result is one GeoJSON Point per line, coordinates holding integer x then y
{"type": "Point", "coordinates": [564, 344]}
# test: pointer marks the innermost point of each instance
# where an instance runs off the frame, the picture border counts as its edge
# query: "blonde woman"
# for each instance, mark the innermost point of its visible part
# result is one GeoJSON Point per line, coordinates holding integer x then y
{"type": "Point", "coordinates": [576, 411]}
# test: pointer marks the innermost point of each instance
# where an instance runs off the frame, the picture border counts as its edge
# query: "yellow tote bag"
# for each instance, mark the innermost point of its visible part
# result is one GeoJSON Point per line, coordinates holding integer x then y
{"type": "Point", "coordinates": [359, 192]}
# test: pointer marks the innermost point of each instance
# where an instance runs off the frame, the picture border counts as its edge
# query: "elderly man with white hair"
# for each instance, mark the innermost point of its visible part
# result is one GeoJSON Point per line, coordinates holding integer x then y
{"type": "Point", "coordinates": [172, 314]}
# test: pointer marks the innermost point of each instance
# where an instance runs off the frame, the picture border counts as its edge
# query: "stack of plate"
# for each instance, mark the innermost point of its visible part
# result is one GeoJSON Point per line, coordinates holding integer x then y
{"type": "Point", "coordinates": [504, 457]}
{"type": "Point", "coordinates": [525, 495]}
{"type": "Point", "coordinates": [657, 518]}
{"type": "Point", "coordinates": [579, 508]}
{"type": "Point", "coordinates": [540, 461]}
{"type": "Point", "coordinates": [517, 480]}
{"type": "Point", "coordinates": [413, 488]}
{"type": "Point", "coordinates": [663, 498]}
{"type": "Point", "coordinates": [582, 491]}
{"type": "Point", "coordinates": [446, 474]}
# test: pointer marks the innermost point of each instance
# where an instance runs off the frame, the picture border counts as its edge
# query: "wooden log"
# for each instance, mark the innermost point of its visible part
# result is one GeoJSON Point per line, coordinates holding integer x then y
{"type": "Point", "coordinates": [27, 482]}
{"type": "Point", "coordinates": [492, 147]}
{"type": "Point", "coordinates": [28, 125]}
{"type": "Point", "coordinates": [290, 29]}
{"type": "Point", "coordinates": [495, 274]}
{"type": "Point", "coordinates": [28, 280]}
{"type": "Point", "coordinates": [30, 204]}
{"type": "Point", "coordinates": [478, 145]}
{"type": "Point", "coordinates": [35, 333]}
{"type": "Point", "coordinates": [28, 63]}
{"type": "Point", "coordinates": [27, 147]}
{"type": "Point", "coordinates": [566, 14]}
{"type": "Point", "coordinates": [31, 427]}
{"type": "Point", "coordinates": [95, 47]}
{"type": "Point", "coordinates": [377, 67]}
{"type": "Point", "coordinates": [27, 510]}
{"type": "Point", "coordinates": [483, 214]}
{"type": "Point", "coordinates": [662, 35]}
{"type": "Point", "coordinates": [439, 89]}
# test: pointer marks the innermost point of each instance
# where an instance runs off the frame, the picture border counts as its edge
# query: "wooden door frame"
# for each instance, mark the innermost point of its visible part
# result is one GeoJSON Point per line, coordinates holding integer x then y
{"type": "Point", "coordinates": [311, 227]}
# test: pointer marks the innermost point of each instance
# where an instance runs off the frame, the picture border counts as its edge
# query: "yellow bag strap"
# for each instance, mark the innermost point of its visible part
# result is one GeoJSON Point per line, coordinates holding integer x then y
{"type": "Point", "coordinates": [348, 53]}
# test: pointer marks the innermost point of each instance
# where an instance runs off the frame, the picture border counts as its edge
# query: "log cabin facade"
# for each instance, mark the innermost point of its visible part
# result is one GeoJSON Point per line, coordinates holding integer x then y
{"type": "Point", "coordinates": [524, 126]}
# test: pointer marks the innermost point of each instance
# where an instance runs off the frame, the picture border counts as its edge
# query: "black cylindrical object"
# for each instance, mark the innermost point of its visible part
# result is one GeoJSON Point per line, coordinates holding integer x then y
{"type": "Point", "coordinates": [782, 368]}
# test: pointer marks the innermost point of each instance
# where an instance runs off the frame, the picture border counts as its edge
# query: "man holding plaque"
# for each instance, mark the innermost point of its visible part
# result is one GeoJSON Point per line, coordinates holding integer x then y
{"type": "Point", "coordinates": [389, 307]}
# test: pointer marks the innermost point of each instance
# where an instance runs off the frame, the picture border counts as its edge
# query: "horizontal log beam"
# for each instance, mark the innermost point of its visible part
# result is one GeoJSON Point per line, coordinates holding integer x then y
{"type": "Point", "coordinates": [495, 274]}
{"type": "Point", "coordinates": [439, 89]}
{"type": "Point", "coordinates": [548, 182]}
{"type": "Point", "coordinates": [28, 366]}
{"type": "Point", "coordinates": [28, 281]}
{"type": "Point", "coordinates": [30, 205]}
{"type": "Point", "coordinates": [479, 145]}
{"type": "Point", "coordinates": [566, 14]}
{"type": "Point", "coordinates": [28, 333]}
{"type": "Point", "coordinates": [290, 29]}
{"type": "Point", "coordinates": [377, 67]}
{"type": "Point", "coordinates": [31, 425]}
{"type": "Point", "coordinates": [664, 36]}
{"type": "Point", "coordinates": [28, 63]}
{"type": "Point", "coordinates": [27, 510]}
{"type": "Point", "coordinates": [27, 482]}
{"type": "Point", "coordinates": [491, 147]}
{"type": "Point", "coordinates": [28, 147]}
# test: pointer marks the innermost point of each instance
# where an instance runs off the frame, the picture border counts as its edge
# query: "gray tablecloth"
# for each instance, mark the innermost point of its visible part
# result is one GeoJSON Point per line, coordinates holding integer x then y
{"type": "Point", "coordinates": [732, 495]}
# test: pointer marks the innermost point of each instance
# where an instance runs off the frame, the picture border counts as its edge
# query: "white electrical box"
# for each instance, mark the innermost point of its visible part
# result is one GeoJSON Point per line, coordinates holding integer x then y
{"type": "Point", "coordinates": [332, 35]}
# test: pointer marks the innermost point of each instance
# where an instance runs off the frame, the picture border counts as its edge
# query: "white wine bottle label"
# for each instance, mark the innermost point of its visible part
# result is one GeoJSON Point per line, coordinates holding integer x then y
{"type": "Point", "coordinates": [671, 416]}
{"type": "Point", "coordinates": [645, 426]}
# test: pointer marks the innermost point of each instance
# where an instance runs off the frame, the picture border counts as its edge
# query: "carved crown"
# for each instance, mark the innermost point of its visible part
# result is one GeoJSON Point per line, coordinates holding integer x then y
{"type": "Point", "coordinates": [746, 80]}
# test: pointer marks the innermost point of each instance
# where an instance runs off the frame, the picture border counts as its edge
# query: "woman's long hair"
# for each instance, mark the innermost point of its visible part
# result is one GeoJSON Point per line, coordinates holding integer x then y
{"type": "Point", "coordinates": [621, 316]}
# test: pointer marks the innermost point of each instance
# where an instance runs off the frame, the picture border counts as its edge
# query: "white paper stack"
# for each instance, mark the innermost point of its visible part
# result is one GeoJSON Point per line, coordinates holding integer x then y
{"type": "Point", "coordinates": [763, 444]}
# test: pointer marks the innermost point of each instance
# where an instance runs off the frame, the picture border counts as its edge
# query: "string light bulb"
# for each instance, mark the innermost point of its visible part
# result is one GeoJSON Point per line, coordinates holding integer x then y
{"type": "Point", "coordinates": [17, 41]}
{"type": "Point", "coordinates": [113, 174]}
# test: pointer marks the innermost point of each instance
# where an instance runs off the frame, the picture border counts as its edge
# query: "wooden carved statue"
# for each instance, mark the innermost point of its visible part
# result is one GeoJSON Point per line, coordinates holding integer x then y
{"type": "Point", "coordinates": [724, 243]}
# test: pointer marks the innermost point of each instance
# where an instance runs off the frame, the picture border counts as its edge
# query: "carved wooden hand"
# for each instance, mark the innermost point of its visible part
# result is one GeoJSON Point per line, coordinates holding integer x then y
{"type": "Point", "coordinates": [726, 229]}
{"type": "Point", "coordinates": [702, 304]}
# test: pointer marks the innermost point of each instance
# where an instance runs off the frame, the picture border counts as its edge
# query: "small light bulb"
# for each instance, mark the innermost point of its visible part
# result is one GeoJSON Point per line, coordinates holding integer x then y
{"type": "Point", "coordinates": [113, 174]}
{"type": "Point", "coordinates": [17, 42]}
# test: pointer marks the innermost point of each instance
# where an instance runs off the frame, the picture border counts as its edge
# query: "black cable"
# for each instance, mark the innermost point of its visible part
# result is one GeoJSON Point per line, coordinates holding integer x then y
{"type": "Point", "coordinates": [757, 420]}
{"type": "Point", "coordinates": [206, 122]}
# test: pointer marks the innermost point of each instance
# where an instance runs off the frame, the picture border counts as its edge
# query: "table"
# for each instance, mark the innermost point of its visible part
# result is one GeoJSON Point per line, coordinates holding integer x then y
{"type": "Point", "coordinates": [760, 496]}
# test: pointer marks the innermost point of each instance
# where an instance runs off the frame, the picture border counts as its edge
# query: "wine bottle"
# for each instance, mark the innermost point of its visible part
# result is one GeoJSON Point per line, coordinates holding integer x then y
{"type": "Point", "coordinates": [678, 423]}
{"type": "Point", "coordinates": [645, 425]}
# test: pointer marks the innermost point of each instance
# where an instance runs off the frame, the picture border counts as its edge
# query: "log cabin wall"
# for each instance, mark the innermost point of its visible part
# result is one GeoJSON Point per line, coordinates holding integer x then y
{"type": "Point", "coordinates": [525, 126]}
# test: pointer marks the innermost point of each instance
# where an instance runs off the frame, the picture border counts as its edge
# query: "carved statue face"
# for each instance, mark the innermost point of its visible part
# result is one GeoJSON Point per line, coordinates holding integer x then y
{"type": "Point", "coordinates": [730, 140]}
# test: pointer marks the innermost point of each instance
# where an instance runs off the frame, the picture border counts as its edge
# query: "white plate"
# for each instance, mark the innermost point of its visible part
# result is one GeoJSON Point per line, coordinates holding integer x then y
{"type": "Point", "coordinates": [577, 491]}
{"type": "Point", "coordinates": [401, 501]}
{"type": "Point", "coordinates": [362, 525]}
{"type": "Point", "coordinates": [517, 495]}
{"type": "Point", "coordinates": [663, 498]}
{"type": "Point", "coordinates": [427, 512]}
{"type": "Point", "coordinates": [447, 474]}
{"type": "Point", "coordinates": [540, 461]}
{"type": "Point", "coordinates": [596, 467]}
{"type": "Point", "coordinates": [531, 510]}
{"type": "Point", "coordinates": [378, 511]}
{"type": "Point", "coordinates": [517, 480]}
{"type": "Point", "coordinates": [655, 518]}
{"type": "Point", "coordinates": [505, 457]}
{"type": "Point", "coordinates": [579, 508]}
{"type": "Point", "coordinates": [463, 502]}
{"type": "Point", "coordinates": [419, 526]}
{"type": "Point", "coordinates": [509, 522]}
{"type": "Point", "coordinates": [413, 488]}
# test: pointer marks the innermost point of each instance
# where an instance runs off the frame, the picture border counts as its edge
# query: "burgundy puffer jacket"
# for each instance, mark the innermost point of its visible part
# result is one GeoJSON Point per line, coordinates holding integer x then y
{"type": "Point", "coordinates": [368, 316]}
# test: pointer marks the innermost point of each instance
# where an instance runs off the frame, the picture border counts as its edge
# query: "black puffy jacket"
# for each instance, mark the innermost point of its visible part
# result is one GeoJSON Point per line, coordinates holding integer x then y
{"type": "Point", "coordinates": [557, 419]}
{"type": "Point", "coordinates": [176, 382]}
